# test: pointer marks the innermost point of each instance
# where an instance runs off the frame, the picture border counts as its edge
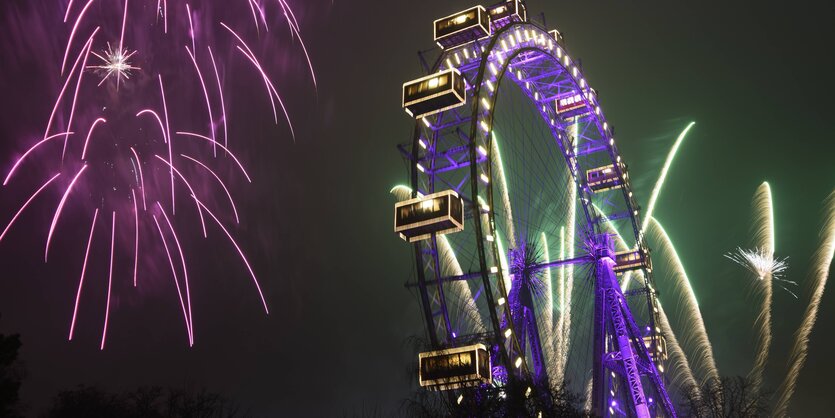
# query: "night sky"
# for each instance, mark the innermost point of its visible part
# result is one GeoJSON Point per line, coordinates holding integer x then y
{"type": "Point", "coordinates": [316, 221]}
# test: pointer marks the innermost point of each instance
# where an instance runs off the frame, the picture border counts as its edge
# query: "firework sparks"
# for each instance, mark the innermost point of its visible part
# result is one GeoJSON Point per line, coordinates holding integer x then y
{"type": "Point", "coordinates": [502, 182]}
{"type": "Point", "coordinates": [401, 192]}
{"type": "Point", "coordinates": [25, 205]}
{"type": "Point", "coordinates": [117, 160]}
{"type": "Point", "coordinates": [559, 348]}
{"type": "Point", "coordinates": [460, 288]}
{"type": "Point", "coordinates": [58, 211]}
{"type": "Point", "coordinates": [656, 191]}
{"type": "Point", "coordinates": [83, 272]}
{"type": "Point", "coordinates": [548, 315]}
{"type": "Point", "coordinates": [821, 264]}
{"type": "Point", "coordinates": [109, 281]}
{"type": "Point", "coordinates": [687, 299]}
{"type": "Point", "coordinates": [679, 365]}
{"type": "Point", "coordinates": [567, 280]}
{"type": "Point", "coordinates": [763, 264]}
{"type": "Point", "coordinates": [114, 62]}
{"type": "Point", "coordinates": [758, 261]}
{"type": "Point", "coordinates": [174, 273]}
{"type": "Point", "coordinates": [765, 238]}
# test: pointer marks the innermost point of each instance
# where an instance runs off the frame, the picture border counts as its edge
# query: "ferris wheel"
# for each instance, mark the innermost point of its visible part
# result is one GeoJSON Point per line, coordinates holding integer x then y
{"type": "Point", "coordinates": [532, 268]}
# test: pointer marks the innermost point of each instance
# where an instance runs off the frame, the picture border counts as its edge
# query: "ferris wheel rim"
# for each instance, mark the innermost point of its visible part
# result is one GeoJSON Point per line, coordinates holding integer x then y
{"type": "Point", "coordinates": [599, 118]}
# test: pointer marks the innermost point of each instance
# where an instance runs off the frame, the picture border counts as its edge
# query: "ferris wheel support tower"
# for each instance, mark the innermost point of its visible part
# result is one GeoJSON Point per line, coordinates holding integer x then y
{"type": "Point", "coordinates": [613, 322]}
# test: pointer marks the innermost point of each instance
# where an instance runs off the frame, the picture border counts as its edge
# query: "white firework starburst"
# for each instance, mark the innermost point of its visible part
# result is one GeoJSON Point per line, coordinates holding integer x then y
{"type": "Point", "coordinates": [762, 263]}
{"type": "Point", "coordinates": [114, 62]}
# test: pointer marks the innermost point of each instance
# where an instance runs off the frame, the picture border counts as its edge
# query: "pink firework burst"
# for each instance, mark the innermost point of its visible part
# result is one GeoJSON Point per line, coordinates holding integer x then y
{"type": "Point", "coordinates": [138, 133]}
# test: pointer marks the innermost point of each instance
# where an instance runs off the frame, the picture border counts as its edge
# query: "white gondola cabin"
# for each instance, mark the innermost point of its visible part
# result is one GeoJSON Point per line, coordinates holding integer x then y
{"type": "Point", "coordinates": [438, 213]}
{"type": "Point", "coordinates": [660, 351]}
{"type": "Point", "coordinates": [455, 368]}
{"type": "Point", "coordinates": [462, 27]}
{"type": "Point", "coordinates": [632, 260]}
{"type": "Point", "coordinates": [603, 178]}
{"type": "Point", "coordinates": [507, 12]}
{"type": "Point", "coordinates": [434, 93]}
{"type": "Point", "coordinates": [571, 104]}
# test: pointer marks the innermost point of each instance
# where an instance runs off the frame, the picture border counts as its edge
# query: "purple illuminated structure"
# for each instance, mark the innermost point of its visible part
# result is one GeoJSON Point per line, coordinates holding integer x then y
{"type": "Point", "coordinates": [618, 342]}
{"type": "Point", "coordinates": [533, 228]}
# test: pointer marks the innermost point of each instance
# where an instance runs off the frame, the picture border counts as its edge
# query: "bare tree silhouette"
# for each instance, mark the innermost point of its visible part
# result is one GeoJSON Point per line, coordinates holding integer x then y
{"type": "Point", "coordinates": [733, 397]}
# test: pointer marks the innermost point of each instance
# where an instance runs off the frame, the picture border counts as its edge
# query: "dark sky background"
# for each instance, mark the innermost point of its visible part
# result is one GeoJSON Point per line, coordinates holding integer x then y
{"type": "Point", "coordinates": [757, 79]}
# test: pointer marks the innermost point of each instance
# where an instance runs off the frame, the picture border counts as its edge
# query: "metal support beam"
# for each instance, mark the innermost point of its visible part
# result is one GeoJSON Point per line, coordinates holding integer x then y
{"type": "Point", "coordinates": [472, 275]}
{"type": "Point", "coordinates": [610, 308]}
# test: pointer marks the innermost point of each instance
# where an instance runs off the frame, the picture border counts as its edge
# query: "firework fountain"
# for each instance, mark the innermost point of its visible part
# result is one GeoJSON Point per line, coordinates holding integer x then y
{"type": "Point", "coordinates": [566, 287]}
{"type": "Point", "coordinates": [130, 73]}
{"type": "Point", "coordinates": [765, 238]}
{"type": "Point", "coordinates": [821, 263]}
{"type": "Point", "coordinates": [767, 269]}
{"type": "Point", "coordinates": [547, 319]}
{"type": "Point", "coordinates": [656, 191]}
{"type": "Point", "coordinates": [762, 263]}
{"type": "Point", "coordinates": [678, 359]}
{"type": "Point", "coordinates": [689, 307]}
{"type": "Point", "coordinates": [502, 182]}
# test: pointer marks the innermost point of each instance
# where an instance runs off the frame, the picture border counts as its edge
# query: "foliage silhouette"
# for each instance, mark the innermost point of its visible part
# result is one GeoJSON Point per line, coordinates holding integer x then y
{"type": "Point", "coordinates": [147, 402]}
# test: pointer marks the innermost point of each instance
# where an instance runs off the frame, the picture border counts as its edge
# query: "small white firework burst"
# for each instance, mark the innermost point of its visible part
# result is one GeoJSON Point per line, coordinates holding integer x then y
{"type": "Point", "coordinates": [114, 62]}
{"type": "Point", "coordinates": [762, 263]}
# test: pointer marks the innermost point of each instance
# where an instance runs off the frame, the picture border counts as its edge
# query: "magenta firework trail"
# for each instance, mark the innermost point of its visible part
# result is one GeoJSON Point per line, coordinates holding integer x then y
{"type": "Point", "coordinates": [138, 131]}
